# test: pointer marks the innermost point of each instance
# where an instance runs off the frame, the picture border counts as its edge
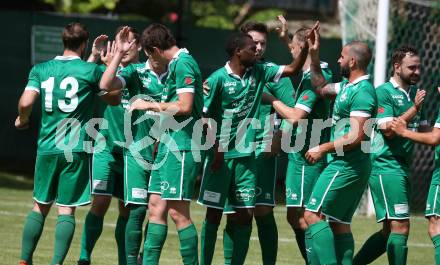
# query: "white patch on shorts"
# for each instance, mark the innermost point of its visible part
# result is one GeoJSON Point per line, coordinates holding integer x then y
{"type": "Point", "coordinates": [211, 196]}
{"type": "Point", "coordinates": [100, 185]}
{"type": "Point", "coordinates": [137, 193]}
{"type": "Point", "coordinates": [401, 208]}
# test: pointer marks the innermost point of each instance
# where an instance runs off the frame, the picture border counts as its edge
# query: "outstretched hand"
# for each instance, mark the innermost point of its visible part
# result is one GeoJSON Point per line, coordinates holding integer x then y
{"type": "Point", "coordinates": [398, 126]}
{"type": "Point", "coordinates": [313, 39]}
{"type": "Point", "coordinates": [123, 44]}
{"type": "Point", "coordinates": [420, 97]}
{"type": "Point", "coordinates": [108, 53]}
{"type": "Point", "coordinates": [283, 32]}
{"type": "Point", "coordinates": [99, 44]}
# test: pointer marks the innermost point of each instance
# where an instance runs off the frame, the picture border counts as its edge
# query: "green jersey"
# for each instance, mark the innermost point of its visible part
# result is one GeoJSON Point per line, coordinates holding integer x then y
{"type": "Point", "coordinates": [436, 175]}
{"type": "Point", "coordinates": [140, 80]}
{"type": "Point", "coordinates": [233, 102]}
{"type": "Point", "coordinates": [393, 155]}
{"type": "Point", "coordinates": [317, 109]}
{"type": "Point", "coordinates": [356, 99]}
{"type": "Point", "coordinates": [114, 115]}
{"type": "Point", "coordinates": [184, 76]}
{"type": "Point", "coordinates": [282, 90]}
{"type": "Point", "coordinates": [68, 86]}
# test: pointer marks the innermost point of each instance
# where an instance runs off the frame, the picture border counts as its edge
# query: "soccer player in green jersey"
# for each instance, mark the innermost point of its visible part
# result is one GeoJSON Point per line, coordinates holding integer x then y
{"type": "Point", "coordinates": [391, 159]}
{"type": "Point", "coordinates": [68, 86]}
{"type": "Point", "coordinates": [113, 163]}
{"type": "Point", "coordinates": [301, 175]}
{"type": "Point", "coordinates": [400, 127]}
{"type": "Point", "coordinates": [172, 184]}
{"type": "Point", "coordinates": [340, 186]}
{"type": "Point", "coordinates": [145, 80]}
{"type": "Point", "coordinates": [233, 101]}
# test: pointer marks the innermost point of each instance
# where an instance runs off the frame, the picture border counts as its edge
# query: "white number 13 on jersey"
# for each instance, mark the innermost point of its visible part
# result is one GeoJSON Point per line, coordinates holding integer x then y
{"type": "Point", "coordinates": [70, 82]}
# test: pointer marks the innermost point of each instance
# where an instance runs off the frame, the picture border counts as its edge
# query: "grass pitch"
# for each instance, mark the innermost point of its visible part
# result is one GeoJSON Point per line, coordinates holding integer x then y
{"type": "Point", "coordinates": [16, 202]}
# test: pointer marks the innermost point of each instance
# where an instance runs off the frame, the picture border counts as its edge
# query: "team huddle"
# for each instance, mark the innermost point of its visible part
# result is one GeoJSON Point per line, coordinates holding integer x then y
{"type": "Point", "coordinates": [143, 132]}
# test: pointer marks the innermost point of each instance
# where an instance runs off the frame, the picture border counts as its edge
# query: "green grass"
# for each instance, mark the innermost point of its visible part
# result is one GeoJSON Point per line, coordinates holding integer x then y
{"type": "Point", "coordinates": [16, 202]}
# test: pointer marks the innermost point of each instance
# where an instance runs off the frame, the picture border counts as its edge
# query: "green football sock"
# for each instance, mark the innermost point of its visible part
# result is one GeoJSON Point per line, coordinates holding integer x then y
{"type": "Point", "coordinates": [133, 232]}
{"type": "Point", "coordinates": [64, 231]}
{"type": "Point", "coordinates": [156, 236]}
{"type": "Point", "coordinates": [228, 243]}
{"type": "Point", "coordinates": [91, 231]}
{"type": "Point", "coordinates": [312, 259]}
{"type": "Point", "coordinates": [121, 224]}
{"type": "Point", "coordinates": [372, 249]}
{"type": "Point", "coordinates": [241, 237]}
{"type": "Point", "coordinates": [188, 245]}
{"type": "Point", "coordinates": [344, 246]}
{"type": "Point", "coordinates": [208, 238]}
{"type": "Point", "coordinates": [268, 237]}
{"type": "Point", "coordinates": [436, 241]}
{"type": "Point", "coordinates": [397, 249]}
{"type": "Point", "coordinates": [301, 242]}
{"type": "Point", "coordinates": [323, 242]}
{"type": "Point", "coordinates": [33, 227]}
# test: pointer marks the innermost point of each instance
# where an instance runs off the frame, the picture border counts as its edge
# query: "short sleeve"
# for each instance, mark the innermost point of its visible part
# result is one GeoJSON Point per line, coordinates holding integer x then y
{"type": "Point", "coordinates": [272, 72]}
{"type": "Point", "coordinates": [126, 76]}
{"type": "Point", "coordinates": [209, 85]}
{"type": "Point", "coordinates": [363, 102]}
{"type": "Point", "coordinates": [283, 90]}
{"type": "Point", "coordinates": [33, 83]}
{"type": "Point", "coordinates": [306, 100]}
{"type": "Point", "coordinates": [385, 110]}
{"type": "Point", "coordinates": [185, 76]}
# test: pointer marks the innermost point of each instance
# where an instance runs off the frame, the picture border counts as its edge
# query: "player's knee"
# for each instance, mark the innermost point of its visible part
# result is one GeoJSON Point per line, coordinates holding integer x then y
{"type": "Point", "coordinates": [123, 210]}
{"type": "Point", "coordinates": [400, 226]}
{"type": "Point", "coordinates": [66, 210]}
{"type": "Point", "coordinates": [42, 208]}
{"type": "Point", "coordinates": [262, 210]}
{"type": "Point", "coordinates": [181, 219]}
{"type": "Point", "coordinates": [100, 205]}
{"type": "Point", "coordinates": [434, 226]}
{"type": "Point", "coordinates": [244, 216]}
{"type": "Point", "coordinates": [213, 216]}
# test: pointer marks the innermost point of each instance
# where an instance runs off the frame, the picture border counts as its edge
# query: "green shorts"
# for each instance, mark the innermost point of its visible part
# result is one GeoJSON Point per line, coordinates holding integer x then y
{"type": "Point", "coordinates": [175, 176]}
{"type": "Point", "coordinates": [433, 201]}
{"type": "Point", "coordinates": [66, 183]}
{"type": "Point", "coordinates": [266, 180]}
{"type": "Point", "coordinates": [391, 194]}
{"type": "Point", "coordinates": [136, 176]}
{"type": "Point", "coordinates": [300, 180]}
{"type": "Point", "coordinates": [235, 181]}
{"type": "Point", "coordinates": [108, 174]}
{"type": "Point", "coordinates": [339, 189]}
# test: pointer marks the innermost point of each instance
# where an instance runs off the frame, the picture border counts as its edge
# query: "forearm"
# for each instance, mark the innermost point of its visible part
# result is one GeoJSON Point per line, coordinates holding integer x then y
{"type": "Point", "coordinates": [108, 78]}
{"type": "Point", "coordinates": [93, 58]}
{"type": "Point", "coordinates": [409, 114]}
{"type": "Point", "coordinates": [286, 112]}
{"type": "Point", "coordinates": [176, 108]}
{"type": "Point", "coordinates": [296, 65]}
{"type": "Point", "coordinates": [316, 77]}
{"type": "Point", "coordinates": [422, 138]}
{"type": "Point", "coordinates": [345, 143]}
{"type": "Point", "coordinates": [24, 111]}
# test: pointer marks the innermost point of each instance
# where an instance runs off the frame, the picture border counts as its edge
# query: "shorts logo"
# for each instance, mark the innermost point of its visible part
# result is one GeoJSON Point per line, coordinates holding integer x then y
{"type": "Point", "coordinates": [312, 201]}
{"type": "Point", "coordinates": [428, 207]}
{"type": "Point", "coordinates": [164, 185]}
{"type": "Point", "coordinates": [245, 195]}
{"type": "Point", "coordinates": [258, 191]}
{"type": "Point", "coordinates": [211, 196]}
{"type": "Point", "coordinates": [401, 208]}
{"type": "Point", "coordinates": [173, 190]}
{"type": "Point", "coordinates": [138, 193]}
{"type": "Point", "coordinates": [100, 185]}
{"type": "Point", "coordinates": [268, 196]}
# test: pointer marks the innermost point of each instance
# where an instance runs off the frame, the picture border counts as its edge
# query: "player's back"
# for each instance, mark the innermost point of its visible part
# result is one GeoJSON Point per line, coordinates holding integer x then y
{"type": "Point", "coordinates": [67, 87]}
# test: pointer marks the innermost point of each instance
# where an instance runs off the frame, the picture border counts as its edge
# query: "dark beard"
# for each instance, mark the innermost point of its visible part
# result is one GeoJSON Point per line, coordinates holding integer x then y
{"type": "Point", "coordinates": [345, 72]}
{"type": "Point", "coordinates": [408, 80]}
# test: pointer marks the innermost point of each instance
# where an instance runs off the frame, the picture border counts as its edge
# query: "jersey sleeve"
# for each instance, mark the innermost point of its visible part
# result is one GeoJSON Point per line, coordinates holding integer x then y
{"type": "Point", "coordinates": [306, 100]}
{"type": "Point", "coordinates": [363, 102]}
{"type": "Point", "coordinates": [283, 90]}
{"type": "Point", "coordinates": [272, 72]}
{"type": "Point", "coordinates": [385, 112]}
{"type": "Point", "coordinates": [33, 83]}
{"type": "Point", "coordinates": [211, 85]}
{"type": "Point", "coordinates": [126, 76]}
{"type": "Point", "coordinates": [185, 77]}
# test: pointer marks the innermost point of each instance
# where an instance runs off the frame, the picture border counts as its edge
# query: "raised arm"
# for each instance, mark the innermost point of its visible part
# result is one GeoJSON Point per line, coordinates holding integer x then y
{"type": "Point", "coordinates": [109, 81]}
{"type": "Point", "coordinates": [291, 115]}
{"type": "Point", "coordinates": [97, 47]}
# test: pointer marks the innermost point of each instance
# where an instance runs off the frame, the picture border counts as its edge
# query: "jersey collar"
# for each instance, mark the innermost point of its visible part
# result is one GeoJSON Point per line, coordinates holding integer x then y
{"type": "Point", "coordinates": [322, 64]}
{"type": "Point", "coordinates": [396, 85]}
{"type": "Point", "coordinates": [66, 58]}
{"type": "Point", "coordinates": [160, 77]}
{"type": "Point", "coordinates": [229, 71]}
{"type": "Point", "coordinates": [361, 78]}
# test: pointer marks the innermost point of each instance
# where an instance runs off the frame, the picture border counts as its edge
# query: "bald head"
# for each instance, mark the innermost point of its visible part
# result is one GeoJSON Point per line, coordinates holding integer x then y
{"type": "Point", "coordinates": [361, 52]}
